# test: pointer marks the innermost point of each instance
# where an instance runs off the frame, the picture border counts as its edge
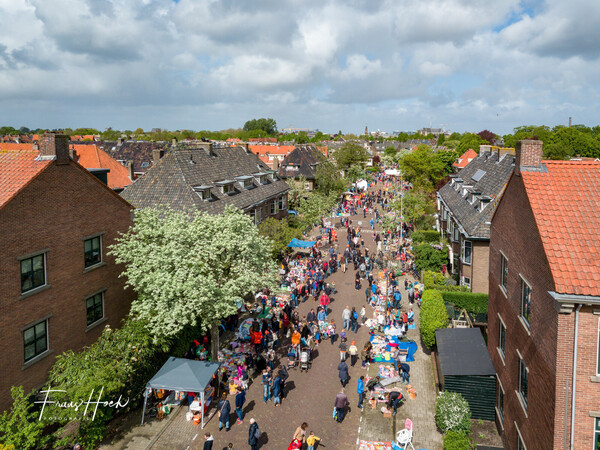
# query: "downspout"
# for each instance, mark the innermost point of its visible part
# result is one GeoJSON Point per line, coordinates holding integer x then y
{"type": "Point", "coordinates": [574, 375]}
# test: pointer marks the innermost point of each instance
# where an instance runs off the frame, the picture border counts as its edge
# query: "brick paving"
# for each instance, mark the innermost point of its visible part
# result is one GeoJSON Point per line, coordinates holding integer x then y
{"type": "Point", "coordinates": [310, 396]}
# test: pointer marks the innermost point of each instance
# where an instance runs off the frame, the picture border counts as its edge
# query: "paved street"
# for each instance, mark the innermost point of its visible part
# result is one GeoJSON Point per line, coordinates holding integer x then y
{"type": "Point", "coordinates": [311, 395]}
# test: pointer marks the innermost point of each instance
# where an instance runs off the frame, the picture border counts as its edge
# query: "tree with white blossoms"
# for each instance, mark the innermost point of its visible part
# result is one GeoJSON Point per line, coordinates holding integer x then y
{"type": "Point", "coordinates": [452, 412]}
{"type": "Point", "coordinates": [192, 269]}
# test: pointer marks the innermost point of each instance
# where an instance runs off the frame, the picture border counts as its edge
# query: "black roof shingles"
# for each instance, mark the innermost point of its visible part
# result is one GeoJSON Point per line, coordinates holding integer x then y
{"type": "Point", "coordinates": [475, 223]}
{"type": "Point", "coordinates": [302, 161]}
{"type": "Point", "coordinates": [462, 351]}
{"type": "Point", "coordinates": [170, 182]}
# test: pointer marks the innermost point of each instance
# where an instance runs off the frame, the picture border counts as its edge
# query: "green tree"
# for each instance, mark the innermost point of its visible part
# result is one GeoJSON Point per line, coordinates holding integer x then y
{"type": "Point", "coordinates": [302, 138]}
{"type": "Point", "coordinates": [269, 126]}
{"type": "Point", "coordinates": [390, 151]}
{"type": "Point", "coordinates": [280, 233]}
{"type": "Point", "coordinates": [418, 207]}
{"type": "Point", "coordinates": [328, 177]}
{"type": "Point", "coordinates": [452, 412]}
{"type": "Point", "coordinates": [441, 139]}
{"type": "Point", "coordinates": [467, 141]}
{"type": "Point", "coordinates": [350, 154]}
{"type": "Point", "coordinates": [19, 426]}
{"type": "Point", "coordinates": [423, 167]}
{"type": "Point", "coordinates": [190, 270]}
{"type": "Point", "coordinates": [315, 206]}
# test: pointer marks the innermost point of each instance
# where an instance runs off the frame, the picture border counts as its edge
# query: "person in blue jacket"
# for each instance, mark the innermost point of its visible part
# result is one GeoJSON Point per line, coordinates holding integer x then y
{"type": "Point", "coordinates": [361, 390]}
{"type": "Point", "coordinates": [224, 410]}
{"type": "Point", "coordinates": [240, 399]}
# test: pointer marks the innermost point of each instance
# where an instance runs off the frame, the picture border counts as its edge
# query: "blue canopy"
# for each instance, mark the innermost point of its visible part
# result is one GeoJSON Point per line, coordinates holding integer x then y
{"type": "Point", "coordinates": [301, 244]}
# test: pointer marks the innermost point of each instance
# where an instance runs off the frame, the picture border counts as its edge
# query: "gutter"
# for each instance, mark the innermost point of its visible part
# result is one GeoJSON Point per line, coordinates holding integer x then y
{"type": "Point", "coordinates": [574, 375]}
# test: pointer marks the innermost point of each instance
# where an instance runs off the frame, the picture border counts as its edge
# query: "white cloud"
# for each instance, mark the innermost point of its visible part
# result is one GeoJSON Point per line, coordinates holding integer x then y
{"type": "Point", "coordinates": [396, 64]}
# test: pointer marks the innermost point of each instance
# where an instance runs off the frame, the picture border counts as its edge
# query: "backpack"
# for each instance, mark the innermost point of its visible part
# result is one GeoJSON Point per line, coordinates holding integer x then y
{"type": "Point", "coordinates": [257, 433]}
{"type": "Point", "coordinates": [354, 315]}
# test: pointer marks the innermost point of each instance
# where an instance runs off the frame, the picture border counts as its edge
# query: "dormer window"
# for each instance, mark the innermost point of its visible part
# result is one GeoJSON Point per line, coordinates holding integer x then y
{"type": "Point", "coordinates": [261, 177]}
{"type": "Point", "coordinates": [226, 186]}
{"type": "Point", "coordinates": [245, 181]}
{"type": "Point", "coordinates": [483, 202]}
{"type": "Point", "coordinates": [204, 192]}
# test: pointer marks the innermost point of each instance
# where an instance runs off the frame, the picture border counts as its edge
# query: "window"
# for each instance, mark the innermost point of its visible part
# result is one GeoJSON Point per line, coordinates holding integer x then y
{"type": "Point", "coordinates": [456, 232]}
{"type": "Point", "coordinates": [228, 188]}
{"type": "Point", "coordinates": [205, 194]}
{"type": "Point", "coordinates": [35, 340]}
{"type": "Point", "coordinates": [263, 179]}
{"type": "Point", "coordinates": [466, 281]}
{"type": "Point", "coordinates": [145, 164]}
{"type": "Point", "coordinates": [525, 301]}
{"type": "Point", "coordinates": [255, 215]}
{"type": "Point", "coordinates": [597, 434]}
{"type": "Point", "coordinates": [503, 271]}
{"type": "Point", "coordinates": [449, 225]}
{"type": "Point", "coordinates": [94, 308]}
{"type": "Point", "coordinates": [281, 205]}
{"type": "Point", "coordinates": [502, 339]}
{"type": "Point", "coordinates": [33, 272]}
{"type": "Point", "coordinates": [523, 381]}
{"type": "Point", "coordinates": [274, 205]}
{"type": "Point", "coordinates": [92, 251]}
{"type": "Point", "coordinates": [466, 252]}
{"type": "Point", "coordinates": [248, 183]}
{"type": "Point", "coordinates": [520, 443]}
{"type": "Point", "coordinates": [500, 403]}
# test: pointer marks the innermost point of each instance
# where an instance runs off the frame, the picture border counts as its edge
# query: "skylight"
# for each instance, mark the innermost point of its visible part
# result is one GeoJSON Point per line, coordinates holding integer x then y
{"type": "Point", "coordinates": [478, 175]}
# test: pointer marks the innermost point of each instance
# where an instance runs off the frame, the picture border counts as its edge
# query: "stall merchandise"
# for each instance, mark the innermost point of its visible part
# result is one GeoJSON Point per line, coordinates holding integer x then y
{"type": "Point", "coordinates": [373, 445]}
{"type": "Point", "coordinates": [382, 347]}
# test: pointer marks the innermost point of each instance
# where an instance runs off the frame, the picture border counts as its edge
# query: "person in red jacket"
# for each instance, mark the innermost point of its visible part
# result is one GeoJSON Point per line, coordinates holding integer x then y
{"type": "Point", "coordinates": [257, 340]}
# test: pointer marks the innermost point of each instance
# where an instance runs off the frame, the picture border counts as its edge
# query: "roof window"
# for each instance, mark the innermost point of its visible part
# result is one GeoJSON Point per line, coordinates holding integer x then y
{"type": "Point", "coordinates": [478, 175]}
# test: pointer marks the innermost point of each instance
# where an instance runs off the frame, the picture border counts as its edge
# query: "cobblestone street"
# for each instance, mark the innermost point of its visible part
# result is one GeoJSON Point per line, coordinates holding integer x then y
{"type": "Point", "coordinates": [310, 396]}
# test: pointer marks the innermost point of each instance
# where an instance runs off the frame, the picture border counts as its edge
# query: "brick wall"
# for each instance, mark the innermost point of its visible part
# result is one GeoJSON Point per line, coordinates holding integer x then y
{"type": "Point", "coordinates": [55, 211]}
{"type": "Point", "coordinates": [514, 232]}
{"type": "Point", "coordinates": [528, 153]}
{"type": "Point", "coordinates": [480, 266]}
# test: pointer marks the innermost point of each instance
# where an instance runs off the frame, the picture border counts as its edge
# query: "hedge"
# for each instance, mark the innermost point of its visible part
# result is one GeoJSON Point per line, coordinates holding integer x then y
{"type": "Point", "coordinates": [429, 258]}
{"type": "Point", "coordinates": [425, 236]}
{"type": "Point", "coordinates": [433, 316]}
{"type": "Point", "coordinates": [457, 440]}
{"type": "Point", "coordinates": [474, 303]}
{"type": "Point", "coordinates": [435, 280]}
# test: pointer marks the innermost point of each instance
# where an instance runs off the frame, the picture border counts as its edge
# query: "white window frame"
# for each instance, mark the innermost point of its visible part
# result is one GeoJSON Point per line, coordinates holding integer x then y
{"type": "Point", "coordinates": [455, 233]}
{"type": "Point", "coordinates": [501, 351]}
{"type": "Point", "coordinates": [248, 183]}
{"type": "Point", "coordinates": [281, 203]}
{"type": "Point", "coordinates": [520, 439]}
{"type": "Point", "coordinates": [228, 188]}
{"type": "Point", "coordinates": [205, 194]}
{"type": "Point", "coordinates": [503, 269]}
{"type": "Point", "coordinates": [462, 256]}
{"type": "Point", "coordinates": [464, 281]}
{"type": "Point", "coordinates": [519, 392]}
{"type": "Point", "coordinates": [449, 225]}
{"type": "Point", "coordinates": [524, 283]}
{"type": "Point", "coordinates": [274, 206]}
{"type": "Point", "coordinates": [499, 412]}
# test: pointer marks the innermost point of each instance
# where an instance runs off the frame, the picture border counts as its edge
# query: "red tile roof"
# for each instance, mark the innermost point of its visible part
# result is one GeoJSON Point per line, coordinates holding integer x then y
{"type": "Point", "coordinates": [271, 149]}
{"type": "Point", "coordinates": [93, 157]}
{"type": "Point", "coordinates": [566, 203]}
{"type": "Point", "coordinates": [17, 169]}
{"type": "Point", "coordinates": [465, 159]}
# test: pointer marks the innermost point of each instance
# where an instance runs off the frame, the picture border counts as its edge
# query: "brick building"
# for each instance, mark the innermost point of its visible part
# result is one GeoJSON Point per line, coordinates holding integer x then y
{"type": "Point", "coordinates": [544, 306]}
{"type": "Point", "coordinates": [207, 179]}
{"type": "Point", "coordinates": [58, 288]}
{"type": "Point", "coordinates": [465, 207]}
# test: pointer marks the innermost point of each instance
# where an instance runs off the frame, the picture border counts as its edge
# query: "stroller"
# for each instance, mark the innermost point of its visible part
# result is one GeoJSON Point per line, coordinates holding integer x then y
{"type": "Point", "coordinates": [292, 358]}
{"type": "Point", "coordinates": [305, 359]}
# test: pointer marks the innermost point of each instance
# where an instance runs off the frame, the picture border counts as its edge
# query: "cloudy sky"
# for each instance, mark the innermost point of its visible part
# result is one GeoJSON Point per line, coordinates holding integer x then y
{"type": "Point", "coordinates": [327, 64]}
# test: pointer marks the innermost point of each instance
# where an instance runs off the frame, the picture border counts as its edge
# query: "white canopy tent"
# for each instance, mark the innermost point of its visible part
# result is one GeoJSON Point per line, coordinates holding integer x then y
{"type": "Point", "coordinates": [392, 172]}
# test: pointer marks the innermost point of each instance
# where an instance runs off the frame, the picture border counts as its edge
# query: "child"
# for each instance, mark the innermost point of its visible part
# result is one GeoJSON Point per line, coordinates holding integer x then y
{"type": "Point", "coordinates": [343, 348]}
{"type": "Point", "coordinates": [353, 353]}
{"type": "Point", "coordinates": [331, 331]}
{"type": "Point", "coordinates": [311, 440]}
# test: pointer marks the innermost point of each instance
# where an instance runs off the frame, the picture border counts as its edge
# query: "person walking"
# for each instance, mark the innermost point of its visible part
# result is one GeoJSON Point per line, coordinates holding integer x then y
{"type": "Point", "coordinates": [346, 317]}
{"type": "Point", "coordinates": [311, 440]}
{"type": "Point", "coordinates": [224, 409]}
{"type": "Point", "coordinates": [300, 433]}
{"type": "Point", "coordinates": [343, 372]}
{"type": "Point", "coordinates": [283, 374]}
{"type": "Point", "coordinates": [240, 399]}
{"type": "Point", "coordinates": [353, 350]}
{"type": "Point", "coordinates": [361, 390]}
{"type": "Point", "coordinates": [277, 391]}
{"type": "Point", "coordinates": [254, 434]}
{"type": "Point", "coordinates": [208, 443]}
{"type": "Point", "coordinates": [354, 320]}
{"type": "Point", "coordinates": [341, 401]}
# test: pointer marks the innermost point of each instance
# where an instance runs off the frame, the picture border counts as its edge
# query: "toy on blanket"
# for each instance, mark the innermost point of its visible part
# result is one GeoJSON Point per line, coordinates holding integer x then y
{"type": "Point", "coordinates": [386, 371]}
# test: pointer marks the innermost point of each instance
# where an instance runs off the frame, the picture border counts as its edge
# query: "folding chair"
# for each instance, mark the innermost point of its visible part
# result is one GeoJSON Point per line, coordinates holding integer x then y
{"type": "Point", "coordinates": [404, 437]}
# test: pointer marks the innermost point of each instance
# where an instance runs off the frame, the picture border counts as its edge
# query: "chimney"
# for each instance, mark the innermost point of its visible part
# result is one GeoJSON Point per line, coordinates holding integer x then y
{"type": "Point", "coordinates": [36, 146]}
{"type": "Point", "coordinates": [483, 149]}
{"type": "Point", "coordinates": [275, 164]}
{"type": "Point", "coordinates": [570, 121]}
{"type": "Point", "coordinates": [208, 148]}
{"type": "Point", "coordinates": [55, 146]}
{"type": "Point", "coordinates": [73, 154]}
{"type": "Point", "coordinates": [505, 151]}
{"type": "Point", "coordinates": [120, 141]}
{"type": "Point", "coordinates": [245, 146]}
{"type": "Point", "coordinates": [130, 170]}
{"type": "Point", "coordinates": [174, 142]}
{"type": "Point", "coordinates": [529, 154]}
{"type": "Point", "coordinates": [157, 153]}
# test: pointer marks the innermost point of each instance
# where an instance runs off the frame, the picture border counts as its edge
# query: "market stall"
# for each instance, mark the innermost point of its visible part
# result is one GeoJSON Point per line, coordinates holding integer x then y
{"type": "Point", "coordinates": [297, 243]}
{"type": "Point", "coordinates": [184, 375]}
